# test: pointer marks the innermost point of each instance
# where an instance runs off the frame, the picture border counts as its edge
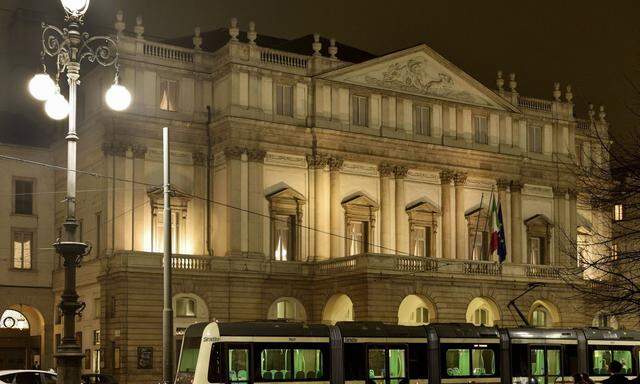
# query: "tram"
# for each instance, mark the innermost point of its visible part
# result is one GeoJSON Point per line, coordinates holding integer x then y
{"type": "Point", "coordinates": [377, 353]}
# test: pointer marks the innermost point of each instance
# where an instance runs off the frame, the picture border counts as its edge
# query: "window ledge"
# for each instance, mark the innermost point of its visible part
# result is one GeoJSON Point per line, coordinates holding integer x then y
{"type": "Point", "coordinates": [13, 269]}
{"type": "Point", "coordinates": [25, 215]}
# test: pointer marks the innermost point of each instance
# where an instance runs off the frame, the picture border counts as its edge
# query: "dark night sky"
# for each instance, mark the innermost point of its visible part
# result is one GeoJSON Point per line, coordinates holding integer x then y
{"type": "Point", "coordinates": [589, 44]}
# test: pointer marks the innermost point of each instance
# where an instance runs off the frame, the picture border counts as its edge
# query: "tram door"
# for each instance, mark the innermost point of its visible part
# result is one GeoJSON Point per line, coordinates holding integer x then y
{"type": "Point", "coordinates": [545, 363]}
{"type": "Point", "coordinates": [387, 364]}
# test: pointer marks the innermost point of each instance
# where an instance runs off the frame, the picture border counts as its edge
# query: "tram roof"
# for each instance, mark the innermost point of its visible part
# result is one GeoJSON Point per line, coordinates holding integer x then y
{"type": "Point", "coordinates": [610, 334]}
{"type": "Point", "coordinates": [377, 329]}
{"type": "Point", "coordinates": [542, 333]}
{"type": "Point", "coordinates": [464, 330]}
{"type": "Point", "coordinates": [273, 328]}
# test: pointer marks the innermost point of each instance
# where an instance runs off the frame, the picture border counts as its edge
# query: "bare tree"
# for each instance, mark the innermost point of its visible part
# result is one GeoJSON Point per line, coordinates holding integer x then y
{"type": "Point", "coordinates": [606, 251]}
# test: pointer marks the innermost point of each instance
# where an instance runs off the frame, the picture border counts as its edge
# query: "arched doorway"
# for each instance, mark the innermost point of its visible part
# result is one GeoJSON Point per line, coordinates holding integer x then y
{"type": "Point", "coordinates": [483, 311]}
{"type": "Point", "coordinates": [416, 310]}
{"type": "Point", "coordinates": [21, 337]}
{"type": "Point", "coordinates": [287, 308]}
{"type": "Point", "coordinates": [339, 307]}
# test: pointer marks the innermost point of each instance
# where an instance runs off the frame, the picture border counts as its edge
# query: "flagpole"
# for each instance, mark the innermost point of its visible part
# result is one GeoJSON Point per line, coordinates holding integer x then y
{"type": "Point", "coordinates": [489, 211]}
{"type": "Point", "coordinates": [475, 234]}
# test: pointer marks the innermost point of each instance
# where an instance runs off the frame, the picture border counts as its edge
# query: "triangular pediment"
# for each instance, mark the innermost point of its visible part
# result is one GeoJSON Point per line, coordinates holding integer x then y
{"type": "Point", "coordinates": [422, 206]}
{"type": "Point", "coordinates": [287, 193]}
{"type": "Point", "coordinates": [360, 199]}
{"type": "Point", "coordinates": [423, 72]}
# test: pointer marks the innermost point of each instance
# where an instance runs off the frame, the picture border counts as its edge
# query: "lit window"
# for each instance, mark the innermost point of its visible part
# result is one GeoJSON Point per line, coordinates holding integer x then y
{"type": "Point", "coordinates": [481, 129]}
{"type": "Point", "coordinates": [579, 153]}
{"type": "Point", "coordinates": [536, 250]}
{"type": "Point", "coordinates": [168, 95]}
{"type": "Point", "coordinates": [13, 319]}
{"type": "Point", "coordinates": [238, 365]}
{"type": "Point", "coordinates": [23, 198]}
{"type": "Point", "coordinates": [618, 212]}
{"type": "Point", "coordinates": [422, 120]}
{"type": "Point", "coordinates": [422, 315]}
{"type": "Point", "coordinates": [614, 251]}
{"type": "Point", "coordinates": [285, 309]}
{"type": "Point", "coordinates": [603, 320]}
{"type": "Point", "coordinates": [534, 139]}
{"type": "Point", "coordinates": [96, 337]}
{"type": "Point", "coordinates": [479, 249]}
{"type": "Point", "coordinates": [357, 237]}
{"type": "Point", "coordinates": [421, 240]}
{"type": "Point", "coordinates": [538, 230]}
{"type": "Point", "coordinates": [540, 317]}
{"type": "Point", "coordinates": [284, 100]}
{"type": "Point", "coordinates": [481, 317]}
{"type": "Point", "coordinates": [22, 249]}
{"type": "Point", "coordinates": [175, 232]}
{"type": "Point", "coordinates": [283, 229]}
{"type": "Point", "coordinates": [360, 111]}
{"type": "Point", "coordinates": [275, 364]}
{"type": "Point", "coordinates": [185, 307]}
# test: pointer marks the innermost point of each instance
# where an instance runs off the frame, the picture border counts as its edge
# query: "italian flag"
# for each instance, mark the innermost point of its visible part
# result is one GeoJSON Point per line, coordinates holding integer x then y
{"type": "Point", "coordinates": [498, 243]}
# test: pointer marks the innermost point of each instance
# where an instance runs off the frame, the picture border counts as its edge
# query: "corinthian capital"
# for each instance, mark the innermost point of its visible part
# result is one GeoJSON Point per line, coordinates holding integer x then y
{"type": "Point", "coordinates": [233, 152]}
{"type": "Point", "coordinates": [317, 161]}
{"type": "Point", "coordinates": [446, 175]}
{"type": "Point", "coordinates": [385, 169]}
{"type": "Point", "coordinates": [400, 171]}
{"type": "Point", "coordinates": [256, 155]}
{"type": "Point", "coordinates": [460, 178]}
{"type": "Point", "coordinates": [336, 163]}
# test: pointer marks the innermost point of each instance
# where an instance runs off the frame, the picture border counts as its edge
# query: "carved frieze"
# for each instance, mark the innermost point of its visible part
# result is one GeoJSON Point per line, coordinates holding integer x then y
{"type": "Point", "coordinates": [285, 159]}
{"type": "Point", "coordinates": [256, 155]}
{"type": "Point", "coordinates": [114, 148]}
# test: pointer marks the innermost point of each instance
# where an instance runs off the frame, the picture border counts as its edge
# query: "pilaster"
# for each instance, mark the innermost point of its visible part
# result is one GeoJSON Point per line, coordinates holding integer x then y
{"type": "Point", "coordinates": [459, 180]}
{"type": "Point", "coordinates": [139, 197]}
{"type": "Point", "coordinates": [386, 208]}
{"type": "Point", "coordinates": [516, 222]}
{"type": "Point", "coordinates": [233, 156]}
{"type": "Point", "coordinates": [336, 211]}
{"type": "Point", "coordinates": [448, 234]}
{"type": "Point", "coordinates": [322, 221]}
{"type": "Point", "coordinates": [256, 202]}
{"type": "Point", "coordinates": [402, 220]}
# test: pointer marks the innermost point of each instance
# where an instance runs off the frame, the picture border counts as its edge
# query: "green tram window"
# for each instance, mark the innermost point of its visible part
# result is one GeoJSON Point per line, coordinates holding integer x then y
{"type": "Point", "coordinates": [546, 364]}
{"type": "Point", "coordinates": [387, 365]}
{"type": "Point", "coordinates": [275, 364]}
{"type": "Point", "coordinates": [602, 357]}
{"type": "Point", "coordinates": [238, 365]}
{"type": "Point", "coordinates": [467, 362]}
{"type": "Point", "coordinates": [307, 364]}
{"type": "Point", "coordinates": [281, 362]}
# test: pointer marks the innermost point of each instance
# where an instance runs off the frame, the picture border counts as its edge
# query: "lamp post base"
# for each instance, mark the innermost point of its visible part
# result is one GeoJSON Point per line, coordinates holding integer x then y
{"type": "Point", "coordinates": [69, 367]}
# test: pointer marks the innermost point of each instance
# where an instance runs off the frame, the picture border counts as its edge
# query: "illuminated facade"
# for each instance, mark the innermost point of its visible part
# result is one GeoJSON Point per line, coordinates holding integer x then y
{"type": "Point", "coordinates": [326, 187]}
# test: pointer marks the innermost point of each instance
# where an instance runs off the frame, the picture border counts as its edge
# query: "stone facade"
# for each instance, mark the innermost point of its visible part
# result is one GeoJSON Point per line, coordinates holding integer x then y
{"type": "Point", "coordinates": [330, 190]}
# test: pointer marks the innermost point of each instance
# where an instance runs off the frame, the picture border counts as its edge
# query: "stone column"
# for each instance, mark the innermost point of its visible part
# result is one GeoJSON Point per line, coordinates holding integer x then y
{"type": "Point", "coordinates": [502, 199]}
{"type": "Point", "coordinates": [336, 213]}
{"type": "Point", "coordinates": [196, 218]}
{"type": "Point", "coordinates": [516, 223]}
{"type": "Point", "coordinates": [560, 234]}
{"type": "Point", "coordinates": [402, 220]}
{"type": "Point", "coordinates": [256, 200]}
{"type": "Point", "coordinates": [233, 156]}
{"type": "Point", "coordinates": [459, 180]}
{"type": "Point", "coordinates": [115, 155]}
{"type": "Point", "coordinates": [448, 234]}
{"type": "Point", "coordinates": [139, 197]}
{"type": "Point", "coordinates": [573, 219]}
{"type": "Point", "coordinates": [386, 208]}
{"type": "Point", "coordinates": [322, 220]}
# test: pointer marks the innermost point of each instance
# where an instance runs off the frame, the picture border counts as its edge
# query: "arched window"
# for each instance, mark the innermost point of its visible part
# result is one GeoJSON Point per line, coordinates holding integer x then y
{"type": "Point", "coordinates": [540, 317]}
{"type": "Point", "coordinates": [483, 311]}
{"type": "Point", "coordinates": [14, 320]}
{"type": "Point", "coordinates": [339, 307]}
{"type": "Point", "coordinates": [185, 307]}
{"type": "Point", "coordinates": [605, 320]}
{"type": "Point", "coordinates": [416, 310]}
{"type": "Point", "coordinates": [287, 308]}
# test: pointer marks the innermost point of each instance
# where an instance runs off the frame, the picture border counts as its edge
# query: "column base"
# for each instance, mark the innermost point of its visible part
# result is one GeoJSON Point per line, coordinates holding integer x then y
{"type": "Point", "coordinates": [69, 366]}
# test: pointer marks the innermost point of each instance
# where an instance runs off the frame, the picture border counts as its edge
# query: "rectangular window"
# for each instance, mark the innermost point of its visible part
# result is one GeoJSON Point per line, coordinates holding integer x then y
{"type": "Point", "coordinates": [397, 368]}
{"type": "Point", "coordinates": [96, 337]}
{"type": "Point", "coordinates": [283, 237]}
{"type": "Point", "coordinates": [534, 140]}
{"type": "Point", "coordinates": [185, 307]}
{"type": "Point", "coordinates": [284, 310]}
{"type": "Point", "coordinates": [284, 100]}
{"type": "Point", "coordinates": [238, 365]}
{"type": "Point", "coordinates": [23, 197]}
{"type": "Point", "coordinates": [116, 357]}
{"type": "Point", "coordinates": [377, 365]}
{"type": "Point", "coordinates": [275, 364]}
{"type": "Point", "coordinates": [470, 362]}
{"type": "Point", "coordinates": [307, 364]}
{"type": "Point", "coordinates": [458, 362]}
{"type": "Point", "coordinates": [537, 251]}
{"type": "Point", "coordinates": [422, 120]}
{"type": "Point", "coordinates": [479, 249]}
{"type": "Point", "coordinates": [614, 251]}
{"type": "Point", "coordinates": [22, 249]}
{"type": "Point", "coordinates": [422, 315]}
{"type": "Point", "coordinates": [168, 95]}
{"type": "Point", "coordinates": [618, 212]}
{"type": "Point", "coordinates": [579, 153]}
{"type": "Point", "coordinates": [360, 111]}
{"type": "Point", "coordinates": [175, 231]}
{"type": "Point", "coordinates": [357, 238]}
{"type": "Point", "coordinates": [481, 129]}
{"type": "Point", "coordinates": [421, 241]}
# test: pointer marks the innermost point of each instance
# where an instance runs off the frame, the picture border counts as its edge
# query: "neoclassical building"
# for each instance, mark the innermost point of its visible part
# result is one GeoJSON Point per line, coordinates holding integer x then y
{"type": "Point", "coordinates": [313, 181]}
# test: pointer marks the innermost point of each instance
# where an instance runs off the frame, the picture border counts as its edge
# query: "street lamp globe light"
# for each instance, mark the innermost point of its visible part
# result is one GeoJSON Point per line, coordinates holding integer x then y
{"type": "Point", "coordinates": [42, 87]}
{"type": "Point", "coordinates": [75, 7]}
{"type": "Point", "coordinates": [118, 97]}
{"type": "Point", "coordinates": [57, 107]}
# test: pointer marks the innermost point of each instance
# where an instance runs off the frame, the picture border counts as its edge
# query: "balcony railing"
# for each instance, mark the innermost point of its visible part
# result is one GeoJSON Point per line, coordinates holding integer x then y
{"type": "Point", "coordinates": [281, 58]}
{"type": "Point", "coordinates": [364, 263]}
{"type": "Point", "coordinates": [535, 104]}
{"type": "Point", "coordinates": [168, 52]}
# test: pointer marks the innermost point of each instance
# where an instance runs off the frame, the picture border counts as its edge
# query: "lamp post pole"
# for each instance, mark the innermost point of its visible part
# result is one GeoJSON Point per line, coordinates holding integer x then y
{"type": "Point", "coordinates": [68, 47]}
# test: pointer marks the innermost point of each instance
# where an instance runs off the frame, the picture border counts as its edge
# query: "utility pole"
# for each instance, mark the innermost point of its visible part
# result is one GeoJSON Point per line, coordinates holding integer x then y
{"type": "Point", "coordinates": [167, 309]}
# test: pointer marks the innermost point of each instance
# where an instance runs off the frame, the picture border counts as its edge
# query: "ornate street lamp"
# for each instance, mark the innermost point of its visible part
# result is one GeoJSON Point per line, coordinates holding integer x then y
{"type": "Point", "coordinates": [69, 47]}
